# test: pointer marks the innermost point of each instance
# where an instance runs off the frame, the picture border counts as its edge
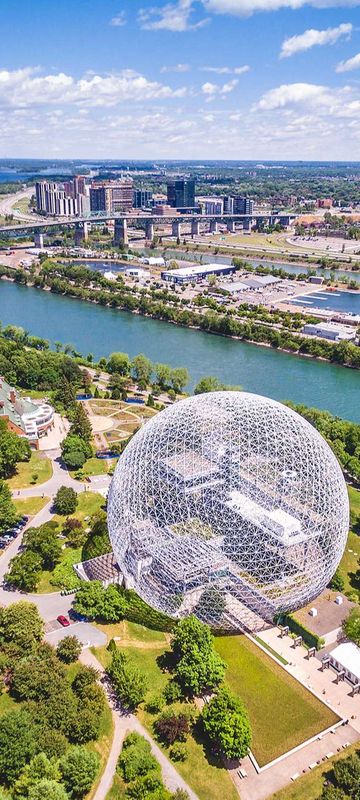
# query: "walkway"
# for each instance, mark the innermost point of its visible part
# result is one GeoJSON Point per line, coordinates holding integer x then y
{"type": "Point", "coordinates": [123, 724]}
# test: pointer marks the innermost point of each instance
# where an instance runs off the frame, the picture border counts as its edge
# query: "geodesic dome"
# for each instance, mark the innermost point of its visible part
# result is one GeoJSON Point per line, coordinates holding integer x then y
{"type": "Point", "coordinates": [230, 506]}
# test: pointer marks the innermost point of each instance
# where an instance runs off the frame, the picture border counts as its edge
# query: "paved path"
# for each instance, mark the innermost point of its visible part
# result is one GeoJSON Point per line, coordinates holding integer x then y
{"type": "Point", "coordinates": [61, 477]}
{"type": "Point", "coordinates": [123, 724]}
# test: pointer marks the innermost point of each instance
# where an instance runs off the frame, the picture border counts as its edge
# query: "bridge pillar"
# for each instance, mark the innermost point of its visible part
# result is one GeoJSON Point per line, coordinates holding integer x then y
{"type": "Point", "coordinates": [213, 226]}
{"type": "Point", "coordinates": [121, 232]}
{"type": "Point", "coordinates": [149, 230]}
{"type": "Point", "coordinates": [195, 227]}
{"type": "Point", "coordinates": [81, 233]}
{"type": "Point", "coordinates": [39, 240]}
{"type": "Point", "coordinates": [247, 223]}
{"type": "Point", "coordinates": [231, 226]}
{"type": "Point", "coordinates": [176, 229]}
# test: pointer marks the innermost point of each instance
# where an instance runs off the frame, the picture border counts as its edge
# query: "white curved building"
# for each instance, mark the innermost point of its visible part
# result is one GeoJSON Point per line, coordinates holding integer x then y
{"type": "Point", "coordinates": [23, 416]}
{"type": "Point", "coordinates": [228, 505]}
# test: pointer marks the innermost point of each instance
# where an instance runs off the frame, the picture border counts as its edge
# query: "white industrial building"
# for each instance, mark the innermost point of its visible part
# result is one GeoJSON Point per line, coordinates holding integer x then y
{"type": "Point", "coordinates": [346, 657]}
{"type": "Point", "coordinates": [330, 330]}
{"type": "Point", "coordinates": [196, 272]}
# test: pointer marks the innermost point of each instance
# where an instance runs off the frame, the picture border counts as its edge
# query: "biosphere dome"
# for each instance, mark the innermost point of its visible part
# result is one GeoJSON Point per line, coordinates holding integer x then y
{"type": "Point", "coordinates": [230, 506]}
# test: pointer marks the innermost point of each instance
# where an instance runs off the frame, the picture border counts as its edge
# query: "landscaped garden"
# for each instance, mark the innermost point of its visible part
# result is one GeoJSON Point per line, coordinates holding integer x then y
{"type": "Point", "coordinates": [265, 686]}
{"type": "Point", "coordinates": [203, 773]}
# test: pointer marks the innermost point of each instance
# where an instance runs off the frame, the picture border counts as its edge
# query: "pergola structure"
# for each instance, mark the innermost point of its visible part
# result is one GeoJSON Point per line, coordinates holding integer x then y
{"type": "Point", "coordinates": [230, 506]}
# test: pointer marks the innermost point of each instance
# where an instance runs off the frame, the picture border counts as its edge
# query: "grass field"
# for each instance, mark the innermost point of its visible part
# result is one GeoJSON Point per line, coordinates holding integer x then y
{"type": "Point", "coordinates": [309, 786]}
{"type": "Point", "coordinates": [265, 686]}
{"type": "Point", "coordinates": [117, 791]}
{"type": "Point", "coordinates": [209, 781]}
{"type": "Point", "coordinates": [95, 466]}
{"type": "Point", "coordinates": [350, 561]}
{"type": "Point", "coordinates": [31, 505]}
{"type": "Point", "coordinates": [37, 465]}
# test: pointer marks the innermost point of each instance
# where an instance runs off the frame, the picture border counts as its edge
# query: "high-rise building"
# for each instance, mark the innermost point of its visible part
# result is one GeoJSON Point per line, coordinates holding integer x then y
{"type": "Point", "coordinates": [122, 194]}
{"type": "Point", "coordinates": [52, 199]}
{"type": "Point", "coordinates": [243, 205]}
{"type": "Point", "coordinates": [228, 204]}
{"type": "Point", "coordinates": [142, 198]}
{"type": "Point", "coordinates": [100, 198]}
{"type": "Point", "coordinates": [181, 193]}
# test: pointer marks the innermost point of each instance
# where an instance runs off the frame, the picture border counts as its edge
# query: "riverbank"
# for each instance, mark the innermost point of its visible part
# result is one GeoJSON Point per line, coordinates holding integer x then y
{"type": "Point", "coordinates": [255, 325]}
{"type": "Point", "coordinates": [99, 330]}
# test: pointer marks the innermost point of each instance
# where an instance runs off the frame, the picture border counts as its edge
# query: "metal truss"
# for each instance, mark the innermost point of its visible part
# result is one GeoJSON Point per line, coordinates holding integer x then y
{"type": "Point", "coordinates": [230, 506]}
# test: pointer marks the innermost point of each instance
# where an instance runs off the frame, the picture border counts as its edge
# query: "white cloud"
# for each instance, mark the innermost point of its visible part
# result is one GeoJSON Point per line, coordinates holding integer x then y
{"type": "Point", "coordinates": [290, 94]}
{"type": "Point", "coordinates": [119, 20]}
{"type": "Point", "coordinates": [349, 65]}
{"type": "Point", "coordinates": [211, 90]}
{"type": "Point", "coordinates": [175, 17]}
{"type": "Point", "coordinates": [227, 70]}
{"type": "Point", "coordinates": [176, 68]}
{"type": "Point", "coordinates": [25, 87]}
{"type": "Point", "coordinates": [313, 37]}
{"type": "Point", "coordinates": [248, 7]}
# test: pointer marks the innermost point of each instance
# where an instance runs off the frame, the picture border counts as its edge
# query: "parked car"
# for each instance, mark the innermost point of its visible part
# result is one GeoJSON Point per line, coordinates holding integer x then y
{"type": "Point", "coordinates": [63, 621]}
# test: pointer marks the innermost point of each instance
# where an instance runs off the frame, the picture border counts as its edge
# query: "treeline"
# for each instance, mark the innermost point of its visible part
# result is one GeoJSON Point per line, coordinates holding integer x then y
{"type": "Point", "coordinates": [251, 330]}
{"type": "Point", "coordinates": [343, 436]}
{"type": "Point", "coordinates": [35, 369]}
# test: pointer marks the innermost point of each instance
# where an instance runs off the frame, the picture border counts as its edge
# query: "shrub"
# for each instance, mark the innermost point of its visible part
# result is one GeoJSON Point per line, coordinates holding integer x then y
{"type": "Point", "coordinates": [178, 752]}
{"type": "Point", "coordinates": [136, 758]}
{"type": "Point", "coordinates": [66, 500]}
{"type": "Point", "coordinates": [172, 692]}
{"type": "Point", "coordinates": [172, 727]}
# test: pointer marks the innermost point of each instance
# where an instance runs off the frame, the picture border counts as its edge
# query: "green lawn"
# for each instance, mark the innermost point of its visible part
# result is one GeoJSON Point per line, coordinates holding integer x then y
{"type": "Point", "coordinates": [118, 789]}
{"type": "Point", "coordinates": [209, 781]}
{"type": "Point", "coordinates": [95, 466]}
{"type": "Point", "coordinates": [31, 505]}
{"type": "Point", "coordinates": [38, 464]}
{"type": "Point", "coordinates": [350, 561]}
{"type": "Point", "coordinates": [89, 503]}
{"type": "Point", "coordinates": [309, 786]}
{"type": "Point", "coordinates": [266, 688]}
{"type": "Point", "coordinates": [132, 631]}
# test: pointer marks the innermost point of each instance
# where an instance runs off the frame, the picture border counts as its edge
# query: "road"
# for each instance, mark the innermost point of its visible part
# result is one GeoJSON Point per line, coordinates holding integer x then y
{"type": "Point", "coordinates": [8, 201]}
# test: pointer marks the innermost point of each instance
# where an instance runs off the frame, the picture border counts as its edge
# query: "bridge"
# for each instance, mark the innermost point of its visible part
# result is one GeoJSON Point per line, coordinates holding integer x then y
{"type": "Point", "coordinates": [149, 221]}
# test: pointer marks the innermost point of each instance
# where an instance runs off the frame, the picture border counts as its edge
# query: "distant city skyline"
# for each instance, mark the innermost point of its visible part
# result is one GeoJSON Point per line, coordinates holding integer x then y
{"type": "Point", "coordinates": [149, 79]}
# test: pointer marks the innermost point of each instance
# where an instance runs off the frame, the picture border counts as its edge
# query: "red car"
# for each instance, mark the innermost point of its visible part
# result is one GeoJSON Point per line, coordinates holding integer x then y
{"type": "Point", "coordinates": [63, 621]}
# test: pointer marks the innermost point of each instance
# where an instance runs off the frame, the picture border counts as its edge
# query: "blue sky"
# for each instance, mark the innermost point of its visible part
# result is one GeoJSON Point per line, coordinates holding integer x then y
{"type": "Point", "coordinates": [199, 79]}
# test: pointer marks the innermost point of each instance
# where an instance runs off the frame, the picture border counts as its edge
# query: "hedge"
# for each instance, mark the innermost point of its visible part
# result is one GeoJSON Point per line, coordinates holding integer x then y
{"type": "Point", "coordinates": [139, 611]}
{"type": "Point", "coordinates": [310, 638]}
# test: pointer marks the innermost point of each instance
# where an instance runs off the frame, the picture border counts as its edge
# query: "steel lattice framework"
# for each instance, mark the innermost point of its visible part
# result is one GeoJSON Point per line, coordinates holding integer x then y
{"type": "Point", "coordinates": [230, 506]}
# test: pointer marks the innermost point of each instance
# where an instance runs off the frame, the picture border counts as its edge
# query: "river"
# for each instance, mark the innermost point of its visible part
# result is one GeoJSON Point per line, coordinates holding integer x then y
{"type": "Point", "coordinates": [101, 330]}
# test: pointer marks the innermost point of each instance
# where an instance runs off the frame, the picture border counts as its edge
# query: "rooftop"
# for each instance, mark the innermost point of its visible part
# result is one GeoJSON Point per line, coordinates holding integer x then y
{"type": "Point", "coordinates": [348, 655]}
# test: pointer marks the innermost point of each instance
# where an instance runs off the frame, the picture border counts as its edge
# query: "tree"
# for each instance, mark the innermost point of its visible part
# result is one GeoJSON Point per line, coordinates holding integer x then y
{"type": "Point", "coordinates": [129, 683]}
{"type": "Point", "coordinates": [162, 375]}
{"type": "Point", "coordinates": [119, 363]}
{"type": "Point", "coordinates": [180, 794]}
{"type": "Point", "coordinates": [142, 368]}
{"type": "Point", "coordinates": [179, 379]}
{"type": "Point", "coordinates": [24, 572]}
{"type": "Point", "coordinates": [21, 626]}
{"type": "Point", "coordinates": [226, 722]}
{"type": "Point", "coordinates": [84, 678]}
{"type": "Point", "coordinates": [208, 384]}
{"type": "Point", "coordinates": [114, 604]}
{"type": "Point", "coordinates": [172, 727]}
{"type": "Point", "coordinates": [13, 448]}
{"type": "Point", "coordinates": [81, 425]}
{"type": "Point", "coordinates": [89, 599]}
{"type": "Point", "coordinates": [66, 500]}
{"type": "Point", "coordinates": [17, 744]}
{"type": "Point", "coordinates": [75, 533]}
{"type": "Point", "coordinates": [39, 769]}
{"type": "Point", "coordinates": [199, 668]}
{"type": "Point", "coordinates": [136, 757]}
{"type": "Point", "coordinates": [351, 626]}
{"type": "Point", "coordinates": [337, 582]}
{"type": "Point", "coordinates": [8, 513]}
{"type": "Point", "coordinates": [48, 790]}
{"type": "Point", "coordinates": [332, 793]}
{"type": "Point", "coordinates": [43, 542]}
{"type": "Point", "coordinates": [78, 768]}
{"type": "Point", "coordinates": [69, 649]}
{"type": "Point", "coordinates": [347, 774]}
{"type": "Point", "coordinates": [75, 449]}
